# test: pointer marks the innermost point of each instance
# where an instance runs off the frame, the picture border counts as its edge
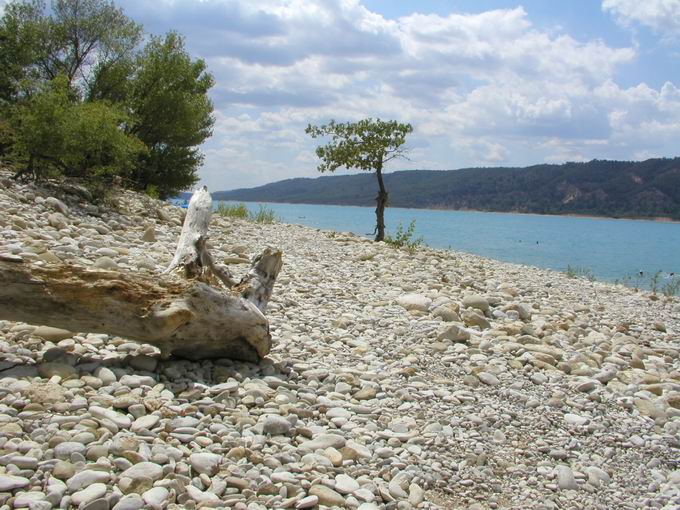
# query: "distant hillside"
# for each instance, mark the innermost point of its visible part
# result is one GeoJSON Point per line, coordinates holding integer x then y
{"type": "Point", "coordinates": [601, 188]}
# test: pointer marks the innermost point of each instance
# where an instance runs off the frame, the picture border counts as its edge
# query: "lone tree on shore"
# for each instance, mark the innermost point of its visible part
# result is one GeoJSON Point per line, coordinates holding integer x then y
{"type": "Point", "coordinates": [365, 145]}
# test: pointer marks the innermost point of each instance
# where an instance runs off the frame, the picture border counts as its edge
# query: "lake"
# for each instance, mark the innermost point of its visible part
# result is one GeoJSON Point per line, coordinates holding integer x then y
{"type": "Point", "coordinates": [611, 249]}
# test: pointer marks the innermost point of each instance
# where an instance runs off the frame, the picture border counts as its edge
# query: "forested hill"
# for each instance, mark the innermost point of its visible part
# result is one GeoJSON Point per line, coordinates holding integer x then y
{"type": "Point", "coordinates": [649, 188]}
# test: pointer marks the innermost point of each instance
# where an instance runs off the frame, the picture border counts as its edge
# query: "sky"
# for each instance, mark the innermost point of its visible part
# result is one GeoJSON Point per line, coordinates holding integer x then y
{"type": "Point", "coordinates": [483, 82]}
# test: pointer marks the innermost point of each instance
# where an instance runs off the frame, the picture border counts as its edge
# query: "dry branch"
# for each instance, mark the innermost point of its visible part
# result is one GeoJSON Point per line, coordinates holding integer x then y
{"type": "Point", "coordinates": [178, 312]}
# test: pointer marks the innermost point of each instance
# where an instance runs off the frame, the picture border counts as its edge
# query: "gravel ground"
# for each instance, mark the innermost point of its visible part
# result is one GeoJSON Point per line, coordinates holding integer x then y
{"type": "Point", "coordinates": [434, 379]}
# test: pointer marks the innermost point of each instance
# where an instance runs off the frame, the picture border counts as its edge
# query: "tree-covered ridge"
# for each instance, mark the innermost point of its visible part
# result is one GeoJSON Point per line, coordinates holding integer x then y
{"type": "Point", "coordinates": [645, 189]}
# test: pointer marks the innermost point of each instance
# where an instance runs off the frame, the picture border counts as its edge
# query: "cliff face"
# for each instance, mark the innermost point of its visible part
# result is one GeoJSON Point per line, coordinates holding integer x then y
{"type": "Point", "coordinates": [600, 188]}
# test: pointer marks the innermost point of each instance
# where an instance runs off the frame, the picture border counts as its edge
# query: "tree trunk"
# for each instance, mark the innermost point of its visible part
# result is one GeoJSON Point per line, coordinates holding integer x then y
{"type": "Point", "coordinates": [179, 311]}
{"type": "Point", "coordinates": [381, 201]}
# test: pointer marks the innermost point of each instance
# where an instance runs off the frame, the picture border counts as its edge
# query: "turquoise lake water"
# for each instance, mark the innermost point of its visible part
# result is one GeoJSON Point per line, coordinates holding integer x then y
{"type": "Point", "coordinates": [610, 248]}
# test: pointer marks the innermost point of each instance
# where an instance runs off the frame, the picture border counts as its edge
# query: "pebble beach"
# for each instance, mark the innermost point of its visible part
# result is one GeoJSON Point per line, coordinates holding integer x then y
{"type": "Point", "coordinates": [397, 380]}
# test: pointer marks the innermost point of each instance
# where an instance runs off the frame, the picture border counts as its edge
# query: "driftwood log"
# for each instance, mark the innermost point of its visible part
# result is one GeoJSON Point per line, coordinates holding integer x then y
{"type": "Point", "coordinates": [194, 310]}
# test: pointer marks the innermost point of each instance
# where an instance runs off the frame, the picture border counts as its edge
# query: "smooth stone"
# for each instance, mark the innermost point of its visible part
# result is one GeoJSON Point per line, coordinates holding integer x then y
{"type": "Point", "coordinates": [86, 478]}
{"type": "Point", "coordinates": [565, 478]}
{"type": "Point", "coordinates": [11, 482]}
{"type": "Point", "coordinates": [323, 441]}
{"type": "Point", "coordinates": [105, 375]}
{"type": "Point", "coordinates": [97, 504]}
{"type": "Point", "coordinates": [488, 378]}
{"type": "Point", "coordinates": [149, 235]}
{"type": "Point", "coordinates": [52, 368]}
{"type": "Point", "coordinates": [454, 333]}
{"type": "Point", "coordinates": [119, 419]}
{"type": "Point", "coordinates": [205, 463]}
{"type": "Point", "coordinates": [476, 301]}
{"type": "Point", "coordinates": [345, 484]}
{"type": "Point", "coordinates": [156, 496]}
{"type": "Point", "coordinates": [58, 221]}
{"type": "Point", "coordinates": [105, 263]}
{"type": "Point", "coordinates": [575, 419]}
{"type": "Point", "coordinates": [144, 362]}
{"type": "Point", "coordinates": [276, 425]}
{"type": "Point", "coordinates": [129, 502]}
{"type": "Point", "coordinates": [147, 422]}
{"type": "Point", "coordinates": [63, 470]}
{"type": "Point", "coordinates": [88, 494]}
{"type": "Point", "coordinates": [414, 302]}
{"type": "Point", "coordinates": [307, 502]}
{"type": "Point", "coordinates": [144, 470]}
{"type": "Point", "coordinates": [52, 334]}
{"type": "Point", "coordinates": [64, 450]}
{"type": "Point", "coordinates": [200, 496]}
{"type": "Point", "coordinates": [327, 496]}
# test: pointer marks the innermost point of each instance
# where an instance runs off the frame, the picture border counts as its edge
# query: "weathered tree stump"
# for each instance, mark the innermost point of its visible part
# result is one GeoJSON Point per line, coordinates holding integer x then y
{"type": "Point", "coordinates": [194, 309]}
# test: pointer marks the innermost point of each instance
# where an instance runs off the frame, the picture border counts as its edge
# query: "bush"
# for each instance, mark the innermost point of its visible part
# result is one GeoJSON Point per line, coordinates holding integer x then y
{"type": "Point", "coordinates": [233, 211]}
{"type": "Point", "coordinates": [55, 136]}
{"type": "Point", "coordinates": [579, 272]}
{"type": "Point", "coordinates": [672, 287]}
{"type": "Point", "coordinates": [264, 215]}
{"type": "Point", "coordinates": [404, 238]}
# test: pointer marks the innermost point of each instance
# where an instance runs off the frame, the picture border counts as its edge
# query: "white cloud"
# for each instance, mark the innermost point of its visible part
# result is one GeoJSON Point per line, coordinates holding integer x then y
{"type": "Point", "coordinates": [662, 16]}
{"type": "Point", "coordinates": [479, 89]}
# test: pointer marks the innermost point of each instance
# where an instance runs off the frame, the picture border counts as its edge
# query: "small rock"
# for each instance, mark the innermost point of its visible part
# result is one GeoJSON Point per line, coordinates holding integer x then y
{"type": "Point", "coordinates": [476, 301]}
{"type": "Point", "coordinates": [565, 478]}
{"type": "Point", "coordinates": [91, 493]}
{"type": "Point", "coordinates": [52, 334]}
{"type": "Point", "coordinates": [205, 463]}
{"type": "Point", "coordinates": [149, 235]}
{"type": "Point", "coordinates": [327, 496]}
{"type": "Point", "coordinates": [11, 482]}
{"type": "Point", "coordinates": [276, 425]}
{"type": "Point", "coordinates": [488, 378]}
{"type": "Point", "coordinates": [414, 302]}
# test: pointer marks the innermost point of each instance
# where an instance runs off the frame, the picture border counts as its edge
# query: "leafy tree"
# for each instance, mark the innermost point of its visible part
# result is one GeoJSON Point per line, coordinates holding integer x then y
{"type": "Point", "coordinates": [54, 135]}
{"type": "Point", "coordinates": [172, 113]}
{"type": "Point", "coordinates": [91, 49]}
{"type": "Point", "coordinates": [365, 145]}
{"type": "Point", "coordinates": [73, 39]}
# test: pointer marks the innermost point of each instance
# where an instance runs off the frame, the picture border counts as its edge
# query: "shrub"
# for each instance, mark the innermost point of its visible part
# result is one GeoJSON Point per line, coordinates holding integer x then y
{"type": "Point", "coordinates": [233, 211]}
{"type": "Point", "coordinates": [264, 215]}
{"type": "Point", "coordinates": [580, 272]}
{"type": "Point", "coordinates": [55, 136]}
{"type": "Point", "coordinates": [404, 238]}
{"type": "Point", "coordinates": [672, 287]}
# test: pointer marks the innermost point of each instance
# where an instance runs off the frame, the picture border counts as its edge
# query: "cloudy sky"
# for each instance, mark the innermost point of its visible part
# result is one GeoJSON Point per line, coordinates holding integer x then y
{"type": "Point", "coordinates": [483, 82]}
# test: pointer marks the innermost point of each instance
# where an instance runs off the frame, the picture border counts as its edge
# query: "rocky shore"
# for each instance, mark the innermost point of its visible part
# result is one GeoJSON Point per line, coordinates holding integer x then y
{"type": "Point", "coordinates": [435, 379]}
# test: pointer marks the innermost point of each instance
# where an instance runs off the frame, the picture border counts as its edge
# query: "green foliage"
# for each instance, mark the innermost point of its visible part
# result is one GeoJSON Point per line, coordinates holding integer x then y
{"type": "Point", "coordinates": [264, 214]}
{"type": "Point", "coordinates": [172, 113]}
{"type": "Point", "coordinates": [364, 145]}
{"type": "Point", "coordinates": [73, 75]}
{"type": "Point", "coordinates": [70, 39]}
{"type": "Point", "coordinates": [21, 31]}
{"type": "Point", "coordinates": [672, 287]}
{"type": "Point", "coordinates": [233, 211]}
{"type": "Point", "coordinates": [152, 191]}
{"type": "Point", "coordinates": [55, 136]}
{"type": "Point", "coordinates": [654, 282]}
{"type": "Point", "coordinates": [579, 272]}
{"type": "Point", "coordinates": [405, 238]}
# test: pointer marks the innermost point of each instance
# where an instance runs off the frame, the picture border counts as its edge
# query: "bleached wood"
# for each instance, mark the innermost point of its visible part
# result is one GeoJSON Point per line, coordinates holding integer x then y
{"type": "Point", "coordinates": [179, 311]}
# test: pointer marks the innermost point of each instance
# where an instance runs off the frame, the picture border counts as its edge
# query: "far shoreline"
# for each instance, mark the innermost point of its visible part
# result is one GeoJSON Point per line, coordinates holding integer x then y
{"type": "Point", "coordinates": [655, 219]}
